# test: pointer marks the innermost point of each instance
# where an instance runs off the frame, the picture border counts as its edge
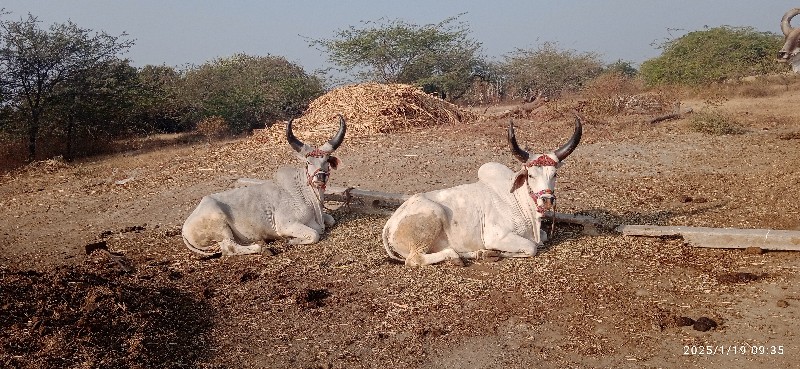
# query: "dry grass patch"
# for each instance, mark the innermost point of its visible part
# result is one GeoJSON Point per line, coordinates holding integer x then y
{"type": "Point", "coordinates": [715, 123]}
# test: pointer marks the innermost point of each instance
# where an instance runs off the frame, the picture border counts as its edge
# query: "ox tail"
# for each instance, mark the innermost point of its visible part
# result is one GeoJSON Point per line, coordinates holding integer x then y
{"type": "Point", "coordinates": [195, 248]}
{"type": "Point", "coordinates": [389, 249]}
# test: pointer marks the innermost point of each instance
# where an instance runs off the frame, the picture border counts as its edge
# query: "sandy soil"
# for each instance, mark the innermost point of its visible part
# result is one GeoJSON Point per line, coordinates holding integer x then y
{"type": "Point", "coordinates": [585, 301]}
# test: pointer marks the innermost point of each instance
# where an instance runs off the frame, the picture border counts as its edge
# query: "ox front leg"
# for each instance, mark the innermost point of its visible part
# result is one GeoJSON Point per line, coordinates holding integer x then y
{"type": "Point", "coordinates": [514, 246]}
{"type": "Point", "coordinates": [418, 259]}
{"type": "Point", "coordinates": [483, 254]}
{"type": "Point", "coordinates": [328, 220]}
{"type": "Point", "coordinates": [300, 234]}
{"type": "Point", "coordinates": [229, 247]}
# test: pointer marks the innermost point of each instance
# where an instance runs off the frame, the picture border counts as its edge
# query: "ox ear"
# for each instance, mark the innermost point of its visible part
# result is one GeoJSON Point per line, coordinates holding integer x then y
{"type": "Point", "coordinates": [333, 161]}
{"type": "Point", "coordinates": [519, 179]}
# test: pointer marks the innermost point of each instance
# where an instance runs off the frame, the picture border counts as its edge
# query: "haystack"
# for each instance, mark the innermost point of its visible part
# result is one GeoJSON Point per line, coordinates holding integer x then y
{"type": "Point", "coordinates": [371, 109]}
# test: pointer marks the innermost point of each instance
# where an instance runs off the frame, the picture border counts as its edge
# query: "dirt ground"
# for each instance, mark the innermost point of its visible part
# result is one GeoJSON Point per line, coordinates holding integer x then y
{"type": "Point", "coordinates": [585, 301]}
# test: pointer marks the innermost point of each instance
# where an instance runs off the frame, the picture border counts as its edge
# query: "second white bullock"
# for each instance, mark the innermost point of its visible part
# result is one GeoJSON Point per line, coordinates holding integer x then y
{"type": "Point", "coordinates": [290, 206]}
{"type": "Point", "coordinates": [499, 215]}
{"type": "Point", "coordinates": [791, 45]}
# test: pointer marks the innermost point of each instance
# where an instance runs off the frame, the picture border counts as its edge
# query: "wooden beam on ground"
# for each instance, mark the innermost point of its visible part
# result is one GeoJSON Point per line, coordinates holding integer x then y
{"type": "Point", "coordinates": [373, 199]}
{"type": "Point", "coordinates": [767, 239]}
{"type": "Point", "coordinates": [591, 226]}
{"type": "Point", "coordinates": [376, 202]}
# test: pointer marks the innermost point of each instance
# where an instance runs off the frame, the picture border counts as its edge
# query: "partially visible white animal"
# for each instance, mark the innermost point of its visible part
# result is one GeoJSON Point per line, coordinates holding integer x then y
{"type": "Point", "coordinates": [791, 44]}
{"type": "Point", "coordinates": [500, 215]}
{"type": "Point", "coordinates": [290, 206]}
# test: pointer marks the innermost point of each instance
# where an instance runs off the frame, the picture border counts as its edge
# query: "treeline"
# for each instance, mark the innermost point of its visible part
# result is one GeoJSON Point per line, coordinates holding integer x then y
{"type": "Point", "coordinates": [66, 90]}
{"type": "Point", "coordinates": [69, 88]}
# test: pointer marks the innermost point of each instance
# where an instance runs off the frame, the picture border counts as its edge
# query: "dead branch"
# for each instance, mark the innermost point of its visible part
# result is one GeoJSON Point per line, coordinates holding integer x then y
{"type": "Point", "coordinates": [670, 116]}
{"type": "Point", "coordinates": [527, 107]}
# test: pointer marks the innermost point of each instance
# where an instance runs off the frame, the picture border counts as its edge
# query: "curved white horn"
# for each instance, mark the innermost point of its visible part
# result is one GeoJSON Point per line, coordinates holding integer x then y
{"type": "Point", "coordinates": [786, 26]}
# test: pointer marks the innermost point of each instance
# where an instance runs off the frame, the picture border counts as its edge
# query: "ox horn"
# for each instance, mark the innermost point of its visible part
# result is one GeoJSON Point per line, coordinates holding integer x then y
{"type": "Point", "coordinates": [296, 144]}
{"type": "Point", "coordinates": [785, 53]}
{"type": "Point", "coordinates": [519, 153]}
{"type": "Point", "coordinates": [339, 137]}
{"type": "Point", "coordinates": [786, 27]}
{"type": "Point", "coordinates": [564, 151]}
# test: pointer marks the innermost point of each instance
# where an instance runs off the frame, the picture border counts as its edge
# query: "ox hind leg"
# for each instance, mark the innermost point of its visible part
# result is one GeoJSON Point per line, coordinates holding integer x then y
{"type": "Point", "coordinates": [417, 234]}
{"type": "Point", "coordinates": [230, 247]}
{"type": "Point", "coordinates": [208, 233]}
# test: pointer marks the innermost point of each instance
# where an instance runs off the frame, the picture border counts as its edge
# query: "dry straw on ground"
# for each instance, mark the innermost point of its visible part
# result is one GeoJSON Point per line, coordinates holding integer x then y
{"type": "Point", "coordinates": [370, 109]}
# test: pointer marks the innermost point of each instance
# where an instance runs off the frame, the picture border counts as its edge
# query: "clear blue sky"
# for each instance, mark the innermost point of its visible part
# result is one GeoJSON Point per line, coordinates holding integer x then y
{"type": "Point", "coordinates": [177, 33]}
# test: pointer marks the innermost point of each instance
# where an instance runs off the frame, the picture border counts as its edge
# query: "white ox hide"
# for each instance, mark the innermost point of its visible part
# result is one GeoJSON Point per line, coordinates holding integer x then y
{"type": "Point", "coordinates": [289, 206]}
{"type": "Point", "coordinates": [500, 215]}
{"type": "Point", "coordinates": [791, 46]}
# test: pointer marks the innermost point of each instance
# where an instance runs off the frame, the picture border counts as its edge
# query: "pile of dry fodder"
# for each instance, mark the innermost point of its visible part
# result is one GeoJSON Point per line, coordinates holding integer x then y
{"type": "Point", "coordinates": [369, 109]}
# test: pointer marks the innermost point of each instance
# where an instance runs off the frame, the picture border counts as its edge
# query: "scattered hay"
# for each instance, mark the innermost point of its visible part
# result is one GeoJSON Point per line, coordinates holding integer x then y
{"type": "Point", "coordinates": [48, 166]}
{"type": "Point", "coordinates": [370, 109]}
{"type": "Point", "coordinates": [790, 135]}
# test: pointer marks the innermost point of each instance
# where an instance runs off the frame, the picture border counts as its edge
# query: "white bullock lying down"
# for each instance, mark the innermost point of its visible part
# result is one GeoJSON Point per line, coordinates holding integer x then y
{"type": "Point", "coordinates": [290, 206]}
{"type": "Point", "coordinates": [500, 215]}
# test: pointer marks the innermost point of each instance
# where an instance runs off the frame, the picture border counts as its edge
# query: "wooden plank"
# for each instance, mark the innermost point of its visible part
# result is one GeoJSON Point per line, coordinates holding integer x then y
{"type": "Point", "coordinates": [385, 202]}
{"type": "Point", "coordinates": [375, 199]}
{"type": "Point", "coordinates": [767, 239]}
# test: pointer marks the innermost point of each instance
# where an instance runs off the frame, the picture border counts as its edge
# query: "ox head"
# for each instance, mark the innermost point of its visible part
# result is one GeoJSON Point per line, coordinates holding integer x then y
{"type": "Point", "coordinates": [319, 161]}
{"type": "Point", "coordinates": [538, 172]}
{"type": "Point", "coordinates": [791, 45]}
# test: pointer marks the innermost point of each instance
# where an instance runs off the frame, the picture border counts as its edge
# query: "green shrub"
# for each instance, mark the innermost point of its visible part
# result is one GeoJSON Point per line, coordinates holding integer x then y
{"type": "Point", "coordinates": [714, 55]}
{"type": "Point", "coordinates": [248, 91]}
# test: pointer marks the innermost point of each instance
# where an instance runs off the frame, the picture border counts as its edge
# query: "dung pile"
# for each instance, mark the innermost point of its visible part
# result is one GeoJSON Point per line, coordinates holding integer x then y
{"type": "Point", "coordinates": [370, 109]}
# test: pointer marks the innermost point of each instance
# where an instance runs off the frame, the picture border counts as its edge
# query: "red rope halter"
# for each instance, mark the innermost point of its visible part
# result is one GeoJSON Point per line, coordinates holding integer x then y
{"type": "Point", "coordinates": [316, 153]}
{"type": "Point", "coordinates": [544, 161]}
{"type": "Point", "coordinates": [536, 195]}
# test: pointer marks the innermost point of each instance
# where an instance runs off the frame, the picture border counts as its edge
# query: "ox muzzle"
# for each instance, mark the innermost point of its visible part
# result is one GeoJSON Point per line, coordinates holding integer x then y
{"type": "Point", "coordinates": [320, 178]}
{"type": "Point", "coordinates": [545, 200]}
